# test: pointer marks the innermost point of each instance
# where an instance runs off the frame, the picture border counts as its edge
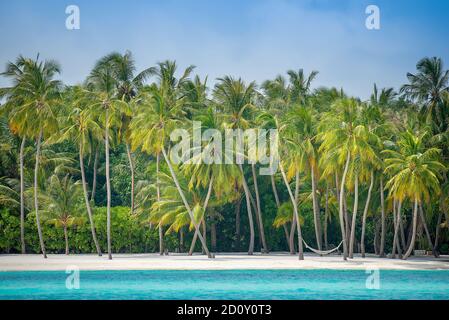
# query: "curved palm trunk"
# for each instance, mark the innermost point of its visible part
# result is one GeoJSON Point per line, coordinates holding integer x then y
{"type": "Point", "coordinates": [22, 198]}
{"type": "Point", "coordinates": [382, 223]}
{"type": "Point", "coordinates": [66, 237]}
{"type": "Point", "coordinates": [415, 222]}
{"type": "Point", "coordinates": [248, 208]}
{"type": "Point", "coordinates": [278, 204]}
{"type": "Point", "coordinates": [36, 201]}
{"type": "Point", "coordinates": [295, 209]}
{"type": "Point", "coordinates": [158, 194]}
{"type": "Point", "coordinates": [293, 226]}
{"type": "Point", "coordinates": [259, 211]}
{"type": "Point", "coordinates": [206, 202]}
{"type": "Point", "coordinates": [354, 216]}
{"type": "Point", "coordinates": [365, 213]}
{"type": "Point", "coordinates": [131, 168]}
{"type": "Point", "coordinates": [423, 221]}
{"type": "Point", "coordinates": [108, 186]}
{"type": "Point", "coordinates": [341, 207]}
{"type": "Point", "coordinates": [86, 200]}
{"type": "Point", "coordinates": [184, 200]}
{"type": "Point", "coordinates": [316, 210]}
{"type": "Point", "coordinates": [94, 182]}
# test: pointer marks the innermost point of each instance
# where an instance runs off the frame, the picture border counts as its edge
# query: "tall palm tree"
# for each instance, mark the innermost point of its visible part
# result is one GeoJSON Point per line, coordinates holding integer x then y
{"type": "Point", "coordinates": [80, 126]}
{"type": "Point", "coordinates": [37, 96]}
{"type": "Point", "coordinates": [161, 112]}
{"type": "Point", "coordinates": [102, 88]}
{"type": "Point", "coordinates": [128, 84]}
{"type": "Point", "coordinates": [235, 98]}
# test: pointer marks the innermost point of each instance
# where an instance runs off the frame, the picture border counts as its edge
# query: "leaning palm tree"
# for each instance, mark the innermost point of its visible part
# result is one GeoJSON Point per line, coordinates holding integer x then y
{"type": "Point", "coordinates": [36, 95]}
{"type": "Point", "coordinates": [159, 114]}
{"type": "Point", "coordinates": [61, 202]}
{"type": "Point", "coordinates": [415, 172]}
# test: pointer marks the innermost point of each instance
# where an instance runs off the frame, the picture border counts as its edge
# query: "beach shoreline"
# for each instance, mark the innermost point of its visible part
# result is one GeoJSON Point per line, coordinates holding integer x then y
{"type": "Point", "coordinates": [222, 261]}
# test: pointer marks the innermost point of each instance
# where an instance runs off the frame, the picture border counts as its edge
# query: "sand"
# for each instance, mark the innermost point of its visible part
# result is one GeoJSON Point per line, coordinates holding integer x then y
{"type": "Point", "coordinates": [222, 261]}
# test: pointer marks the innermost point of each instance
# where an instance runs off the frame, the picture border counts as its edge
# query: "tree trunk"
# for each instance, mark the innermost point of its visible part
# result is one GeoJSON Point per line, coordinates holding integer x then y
{"type": "Point", "coordinates": [36, 201]}
{"type": "Point", "coordinates": [278, 204]}
{"type": "Point", "coordinates": [396, 219]}
{"type": "Point", "coordinates": [66, 237]}
{"type": "Point", "coordinates": [354, 216]}
{"type": "Point", "coordinates": [437, 233]}
{"type": "Point", "coordinates": [131, 168]}
{"type": "Point", "coordinates": [259, 211]}
{"type": "Point", "coordinates": [206, 202]}
{"type": "Point", "coordinates": [426, 230]}
{"type": "Point", "coordinates": [108, 185]}
{"type": "Point", "coordinates": [213, 235]}
{"type": "Point", "coordinates": [293, 226]}
{"type": "Point", "coordinates": [237, 225]}
{"type": "Point", "coordinates": [365, 213]}
{"type": "Point", "coordinates": [248, 208]}
{"type": "Point", "coordinates": [184, 200]}
{"type": "Point", "coordinates": [341, 207]}
{"type": "Point", "coordinates": [94, 182]}
{"type": "Point", "coordinates": [316, 210]}
{"type": "Point", "coordinates": [86, 200]}
{"type": "Point", "coordinates": [382, 221]}
{"type": "Point", "coordinates": [326, 218]}
{"type": "Point", "coordinates": [295, 210]}
{"type": "Point", "coordinates": [158, 193]}
{"type": "Point", "coordinates": [412, 241]}
{"type": "Point", "coordinates": [22, 198]}
{"type": "Point", "coordinates": [203, 224]}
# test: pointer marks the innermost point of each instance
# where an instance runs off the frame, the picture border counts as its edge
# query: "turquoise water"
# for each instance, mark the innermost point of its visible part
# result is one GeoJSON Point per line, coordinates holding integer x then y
{"type": "Point", "coordinates": [226, 284]}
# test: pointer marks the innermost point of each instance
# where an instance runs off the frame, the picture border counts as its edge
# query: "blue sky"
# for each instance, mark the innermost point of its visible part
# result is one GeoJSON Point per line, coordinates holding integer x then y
{"type": "Point", "coordinates": [254, 39]}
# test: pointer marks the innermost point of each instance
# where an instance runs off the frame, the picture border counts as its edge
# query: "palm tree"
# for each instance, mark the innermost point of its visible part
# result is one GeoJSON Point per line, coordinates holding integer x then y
{"type": "Point", "coordinates": [14, 71]}
{"type": "Point", "coordinates": [62, 200]}
{"type": "Point", "coordinates": [414, 172]}
{"type": "Point", "coordinates": [81, 127]}
{"type": "Point", "coordinates": [102, 87]}
{"type": "Point", "coordinates": [36, 95]}
{"type": "Point", "coordinates": [235, 98]}
{"type": "Point", "coordinates": [428, 87]}
{"type": "Point", "coordinates": [161, 112]}
{"type": "Point", "coordinates": [128, 84]}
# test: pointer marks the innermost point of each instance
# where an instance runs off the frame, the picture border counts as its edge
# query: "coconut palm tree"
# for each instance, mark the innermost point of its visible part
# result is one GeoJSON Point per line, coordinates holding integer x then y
{"type": "Point", "coordinates": [235, 99]}
{"type": "Point", "coordinates": [101, 85]}
{"type": "Point", "coordinates": [128, 84]}
{"type": "Point", "coordinates": [35, 94]}
{"type": "Point", "coordinates": [80, 127]}
{"type": "Point", "coordinates": [160, 113]}
{"type": "Point", "coordinates": [414, 172]}
{"type": "Point", "coordinates": [427, 87]}
{"type": "Point", "coordinates": [61, 204]}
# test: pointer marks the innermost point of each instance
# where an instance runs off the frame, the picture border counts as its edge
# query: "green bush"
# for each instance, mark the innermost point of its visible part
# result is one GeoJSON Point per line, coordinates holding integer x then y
{"type": "Point", "coordinates": [127, 233]}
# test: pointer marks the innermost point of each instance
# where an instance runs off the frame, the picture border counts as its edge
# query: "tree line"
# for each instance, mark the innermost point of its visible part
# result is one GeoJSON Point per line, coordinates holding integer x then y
{"type": "Point", "coordinates": [360, 175]}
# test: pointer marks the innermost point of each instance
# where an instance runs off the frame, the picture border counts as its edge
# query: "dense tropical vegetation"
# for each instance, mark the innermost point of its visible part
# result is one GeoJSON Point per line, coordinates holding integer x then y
{"type": "Point", "coordinates": [86, 168]}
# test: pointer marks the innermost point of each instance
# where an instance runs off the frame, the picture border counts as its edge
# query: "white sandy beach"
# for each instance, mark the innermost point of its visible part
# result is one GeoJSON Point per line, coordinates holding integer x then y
{"type": "Point", "coordinates": [222, 261]}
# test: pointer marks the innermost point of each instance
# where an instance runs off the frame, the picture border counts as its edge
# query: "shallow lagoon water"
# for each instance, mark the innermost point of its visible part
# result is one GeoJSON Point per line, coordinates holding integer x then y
{"type": "Point", "coordinates": [227, 284]}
